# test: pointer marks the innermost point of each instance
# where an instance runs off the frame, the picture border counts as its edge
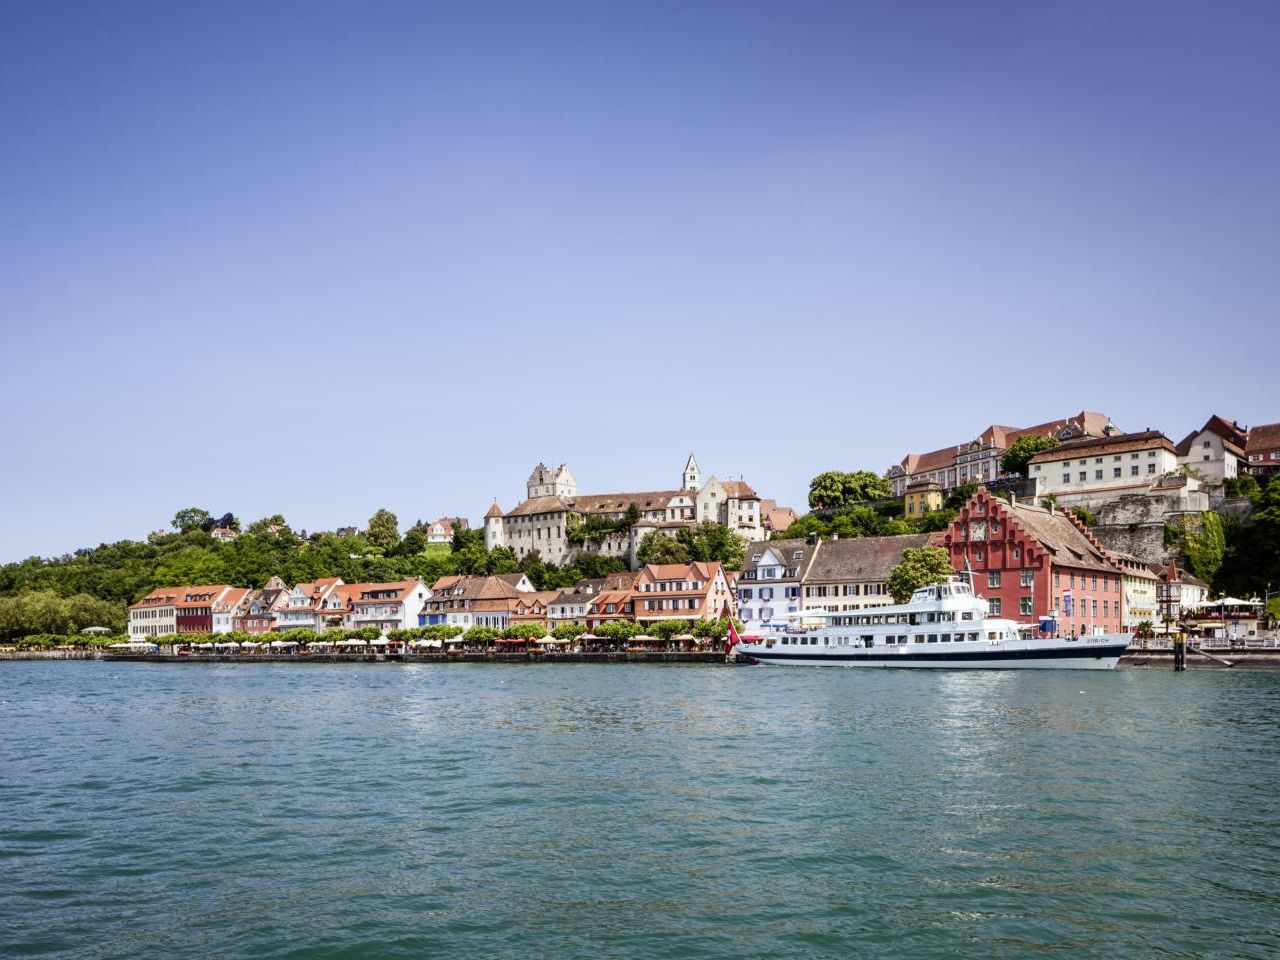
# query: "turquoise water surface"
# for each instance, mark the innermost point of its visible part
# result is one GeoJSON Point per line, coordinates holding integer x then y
{"type": "Point", "coordinates": [386, 811]}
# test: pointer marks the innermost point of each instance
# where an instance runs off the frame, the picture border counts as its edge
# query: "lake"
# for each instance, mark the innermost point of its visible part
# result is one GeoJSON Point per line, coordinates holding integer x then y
{"type": "Point", "coordinates": [387, 811]}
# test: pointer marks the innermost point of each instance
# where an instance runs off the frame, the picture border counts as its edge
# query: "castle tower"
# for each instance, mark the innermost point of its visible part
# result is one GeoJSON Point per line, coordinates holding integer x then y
{"type": "Point", "coordinates": [545, 482]}
{"type": "Point", "coordinates": [494, 533]}
{"type": "Point", "coordinates": [692, 475]}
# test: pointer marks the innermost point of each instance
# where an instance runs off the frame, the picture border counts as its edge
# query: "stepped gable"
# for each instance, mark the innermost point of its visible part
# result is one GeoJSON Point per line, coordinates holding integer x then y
{"type": "Point", "coordinates": [1088, 533]}
{"type": "Point", "coordinates": [864, 558]}
{"type": "Point", "coordinates": [1061, 536]}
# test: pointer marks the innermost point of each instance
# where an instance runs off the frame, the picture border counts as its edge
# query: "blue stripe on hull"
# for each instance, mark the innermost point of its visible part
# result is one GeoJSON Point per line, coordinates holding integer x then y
{"type": "Point", "coordinates": [950, 657]}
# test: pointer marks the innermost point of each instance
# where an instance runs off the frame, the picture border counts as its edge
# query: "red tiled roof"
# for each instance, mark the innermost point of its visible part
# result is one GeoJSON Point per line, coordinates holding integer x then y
{"type": "Point", "coordinates": [1263, 439]}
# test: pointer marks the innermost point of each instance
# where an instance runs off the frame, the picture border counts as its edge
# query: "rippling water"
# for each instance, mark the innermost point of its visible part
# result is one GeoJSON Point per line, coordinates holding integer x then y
{"type": "Point", "coordinates": [631, 811]}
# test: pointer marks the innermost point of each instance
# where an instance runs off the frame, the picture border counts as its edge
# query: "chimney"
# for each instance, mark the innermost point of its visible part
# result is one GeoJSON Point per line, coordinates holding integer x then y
{"type": "Point", "coordinates": [835, 536]}
{"type": "Point", "coordinates": [1013, 499]}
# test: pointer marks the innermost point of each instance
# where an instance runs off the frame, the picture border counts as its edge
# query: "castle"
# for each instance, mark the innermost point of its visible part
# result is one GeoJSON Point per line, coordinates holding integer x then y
{"type": "Point", "coordinates": [558, 522]}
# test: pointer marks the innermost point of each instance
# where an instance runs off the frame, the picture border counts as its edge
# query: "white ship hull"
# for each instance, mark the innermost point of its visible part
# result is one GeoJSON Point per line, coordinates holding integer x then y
{"type": "Point", "coordinates": [1094, 653]}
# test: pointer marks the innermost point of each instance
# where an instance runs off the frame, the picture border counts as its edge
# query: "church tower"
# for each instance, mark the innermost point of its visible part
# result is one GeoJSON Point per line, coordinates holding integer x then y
{"type": "Point", "coordinates": [692, 475]}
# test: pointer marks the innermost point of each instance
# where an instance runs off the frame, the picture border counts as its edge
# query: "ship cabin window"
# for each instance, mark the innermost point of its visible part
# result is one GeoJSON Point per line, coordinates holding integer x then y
{"type": "Point", "coordinates": [868, 640]}
{"type": "Point", "coordinates": [933, 618]}
{"type": "Point", "coordinates": [933, 638]}
{"type": "Point", "coordinates": [945, 638]}
{"type": "Point", "coordinates": [991, 635]}
{"type": "Point", "coordinates": [891, 641]}
{"type": "Point", "coordinates": [967, 615]}
{"type": "Point", "coordinates": [919, 638]}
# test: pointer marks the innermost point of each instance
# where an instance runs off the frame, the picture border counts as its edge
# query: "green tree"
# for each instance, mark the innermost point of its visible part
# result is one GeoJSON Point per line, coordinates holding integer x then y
{"type": "Point", "coordinates": [1015, 458]}
{"type": "Point", "coordinates": [934, 521]}
{"type": "Point", "coordinates": [274, 525]}
{"type": "Point", "coordinates": [568, 631]}
{"type": "Point", "coordinates": [414, 542]}
{"type": "Point", "coordinates": [383, 530]}
{"type": "Point", "coordinates": [480, 635]}
{"type": "Point", "coordinates": [710, 541]}
{"type": "Point", "coordinates": [659, 548]}
{"type": "Point", "coordinates": [959, 496]}
{"type": "Point", "coordinates": [835, 490]}
{"type": "Point", "coordinates": [1206, 548]}
{"type": "Point", "coordinates": [192, 518]}
{"type": "Point", "coordinates": [666, 629]}
{"type": "Point", "coordinates": [918, 568]}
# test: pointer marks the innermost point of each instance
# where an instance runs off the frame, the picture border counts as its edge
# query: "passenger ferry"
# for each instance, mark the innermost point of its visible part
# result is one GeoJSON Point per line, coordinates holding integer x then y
{"type": "Point", "coordinates": [944, 626]}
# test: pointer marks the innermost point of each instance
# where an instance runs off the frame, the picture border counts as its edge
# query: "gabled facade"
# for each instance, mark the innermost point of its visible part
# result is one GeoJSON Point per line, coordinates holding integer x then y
{"type": "Point", "coordinates": [259, 609]}
{"type": "Point", "coordinates": [1215, 452]}
{"type": "Point", "coordinates": [769, 586]}
{"type": "Point", "coordinates": [609, 606]}
{"type": "Point", "coordinates": [299, 609]}
{"type": "Point", "coordinates": [386, 606]}
{"type": "Point", "coordinates": [1030, 562]}
{"type": "Point", "coordinates": [854, 574]}
{"type": "Point", "coordinates": [466, 602]}
{"type": "Point", "coordinates": [1262, 449]}
{"type": "Point", "coordinates": [441, 531]}
{"type": "Point", "coordinates": [682, 591]}
{"type": "Point", "coordinates": [228, 607]}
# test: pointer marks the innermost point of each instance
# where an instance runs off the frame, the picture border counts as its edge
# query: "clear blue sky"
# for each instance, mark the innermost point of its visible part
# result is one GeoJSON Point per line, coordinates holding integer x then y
{"type": "Point", "coordinates": [317, 258]}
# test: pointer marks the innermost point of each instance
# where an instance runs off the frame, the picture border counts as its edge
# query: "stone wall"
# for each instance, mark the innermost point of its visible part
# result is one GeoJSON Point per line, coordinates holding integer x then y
{"type": "Point", "coordinates": [1142, 540]}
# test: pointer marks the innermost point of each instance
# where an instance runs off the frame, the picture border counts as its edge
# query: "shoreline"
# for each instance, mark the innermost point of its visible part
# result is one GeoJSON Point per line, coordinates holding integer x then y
{"type": "Point", "coordinates": [1241, 659]}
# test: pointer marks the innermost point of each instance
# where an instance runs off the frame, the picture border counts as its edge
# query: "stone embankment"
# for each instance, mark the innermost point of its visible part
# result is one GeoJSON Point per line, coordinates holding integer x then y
{"type": "Point", "coordinates": [1219, 658]}
{"type": "Point", "coordinates": [620, 656]}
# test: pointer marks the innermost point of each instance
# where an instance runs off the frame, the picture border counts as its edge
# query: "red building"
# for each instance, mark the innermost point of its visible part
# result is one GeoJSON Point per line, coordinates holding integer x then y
{"type": "Point", "coordinates": [195, 607]}
{"type": "Point", "coordinates": [1031, 562]}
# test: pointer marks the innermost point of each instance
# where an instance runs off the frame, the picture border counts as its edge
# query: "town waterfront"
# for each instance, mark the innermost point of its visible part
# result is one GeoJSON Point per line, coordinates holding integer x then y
{"type": "Point", "coordinates": [644, 811]}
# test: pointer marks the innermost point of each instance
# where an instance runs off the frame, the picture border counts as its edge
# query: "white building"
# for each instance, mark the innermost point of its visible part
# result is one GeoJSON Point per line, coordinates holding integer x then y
{"type": "Point", "coordinates": [1215, 452]}
{"type": "Point", "coordinates": [387, 606]}
{"type": "Point", "coordinates": [1089, 470]}
{"type": "Point", "coordinates": [557, 522]}
{"type": "Point", "coordinates": [155, 615]}
{"type": "Point", "coordinates": [227, 607]}
{"type": "Point", "coordinates": [769, 587]}
{"type": "Point", "coordinates": [305, 600]}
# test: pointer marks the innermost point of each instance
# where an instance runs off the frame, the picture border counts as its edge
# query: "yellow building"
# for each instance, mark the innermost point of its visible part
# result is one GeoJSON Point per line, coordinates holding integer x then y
{"type": "Point", "coordinates": [923, 496]}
